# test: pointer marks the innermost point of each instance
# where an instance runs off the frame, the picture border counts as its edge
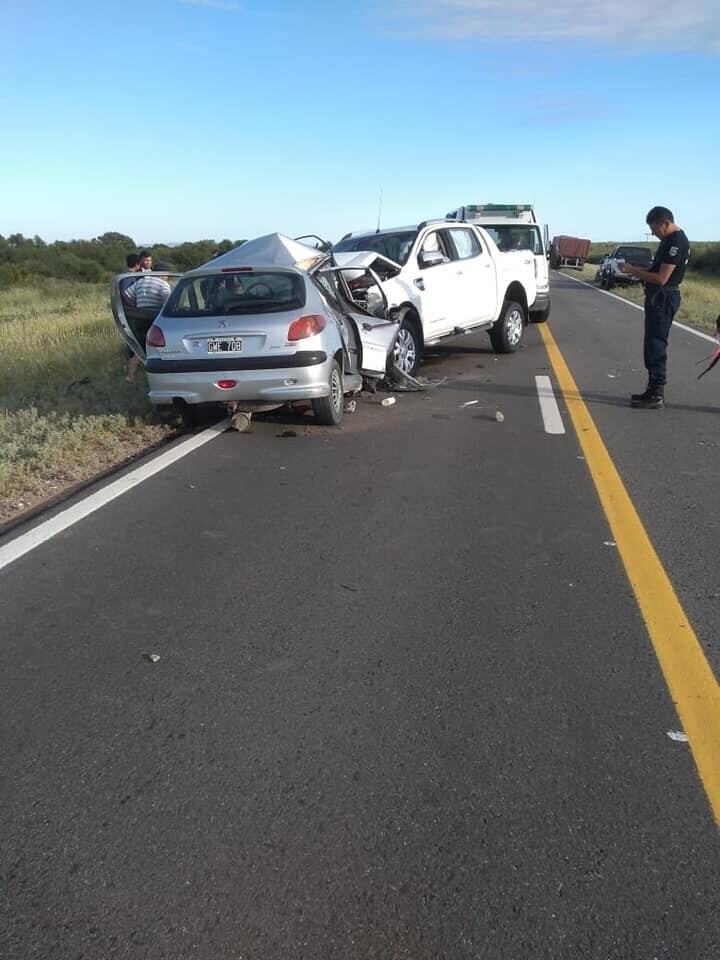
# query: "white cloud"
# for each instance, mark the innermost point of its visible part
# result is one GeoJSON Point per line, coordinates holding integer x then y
{"type": "Point", "coordinates": [659, 25]}
{"type": "Point", "coordinates": [214, 4]}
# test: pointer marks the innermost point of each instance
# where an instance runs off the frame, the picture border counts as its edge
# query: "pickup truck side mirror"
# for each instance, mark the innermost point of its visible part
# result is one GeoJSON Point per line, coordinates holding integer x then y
{"type": "Point", "coordinates": [430, 258]}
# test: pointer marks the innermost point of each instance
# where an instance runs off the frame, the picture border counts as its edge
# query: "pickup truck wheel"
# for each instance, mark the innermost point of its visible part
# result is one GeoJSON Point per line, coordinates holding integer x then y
{"type": "Point", "coordinates": [329, 410]}
{"type": "Point", "coordinates": [540, 316]}
{"type": "Point", "coordinates": [408, 348]}
{"type": "Point", "coordinates": [507, 331]}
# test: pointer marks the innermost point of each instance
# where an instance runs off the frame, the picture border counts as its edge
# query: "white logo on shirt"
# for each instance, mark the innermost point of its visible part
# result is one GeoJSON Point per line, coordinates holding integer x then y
{"type": "Point", "coordinates": [673, 251]}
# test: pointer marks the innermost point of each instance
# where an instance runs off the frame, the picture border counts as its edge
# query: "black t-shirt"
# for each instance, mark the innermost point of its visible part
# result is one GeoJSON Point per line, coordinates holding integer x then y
{"type": "Point", "coordinates": [675, 248]}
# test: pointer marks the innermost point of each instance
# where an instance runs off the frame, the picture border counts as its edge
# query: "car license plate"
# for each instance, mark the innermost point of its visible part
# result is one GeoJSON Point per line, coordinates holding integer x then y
{"type": "Point", "coordinates": [224, 344]}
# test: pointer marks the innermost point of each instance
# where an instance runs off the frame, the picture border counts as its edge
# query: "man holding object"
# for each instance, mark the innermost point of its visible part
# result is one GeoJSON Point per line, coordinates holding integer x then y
{"type": "Point", "coordinates": [662, 299]}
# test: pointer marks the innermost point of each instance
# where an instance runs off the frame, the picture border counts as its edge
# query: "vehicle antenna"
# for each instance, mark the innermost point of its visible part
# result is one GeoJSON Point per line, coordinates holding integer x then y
{"type": "Point", "coordinates": [379, 209]}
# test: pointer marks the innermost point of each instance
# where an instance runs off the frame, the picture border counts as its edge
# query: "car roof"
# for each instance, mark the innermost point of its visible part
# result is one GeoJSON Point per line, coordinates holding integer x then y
{"type": "Point", "coordinates": [274, 250]}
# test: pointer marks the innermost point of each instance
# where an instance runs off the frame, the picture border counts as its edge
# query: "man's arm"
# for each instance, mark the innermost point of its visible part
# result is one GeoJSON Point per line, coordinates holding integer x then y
{"type": "Point", "coordinates": [660, 278]}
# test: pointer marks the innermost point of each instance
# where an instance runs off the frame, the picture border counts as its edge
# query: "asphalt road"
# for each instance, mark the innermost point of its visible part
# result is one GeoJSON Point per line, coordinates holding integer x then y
{"type": "Point", "coordinates": [406, 705]}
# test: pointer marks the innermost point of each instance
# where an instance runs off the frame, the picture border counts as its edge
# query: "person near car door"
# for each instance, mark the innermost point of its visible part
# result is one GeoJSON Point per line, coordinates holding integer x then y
{"type": "Point", "coordinates": [662, 300]}
{"type": "Point", "coordinates": [144, 299]}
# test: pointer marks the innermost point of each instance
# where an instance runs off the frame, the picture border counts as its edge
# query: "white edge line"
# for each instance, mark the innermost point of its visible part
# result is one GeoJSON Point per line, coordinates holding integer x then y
{"type": "Point", "coordinates": [548, 406]}
{"type": "Point", "coordinates": [636, 306]}
{"type": "Point", "coordinates": [61, 521]}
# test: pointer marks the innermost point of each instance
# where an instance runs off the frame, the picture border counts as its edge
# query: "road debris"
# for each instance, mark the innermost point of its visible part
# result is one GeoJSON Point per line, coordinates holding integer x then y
{"type": "Point", "coordinates": [350, 406]}
{"type": "Point", "coordinates": [287, 433]}
{"type": "Point", "coordinates": [403, 381]}
{"type": "Point", "coordinates": [499, 416]}
{"type": "Point", "coordinates": [152, 657]}
{"type": "Point", "coordinates": [609, 543]}
{"type": "Point", "coordinates": [678, 735]}
{"type": "Point", "coordinates": [469, 403]}
{"type": "Point", "coordinates": [388, 401]}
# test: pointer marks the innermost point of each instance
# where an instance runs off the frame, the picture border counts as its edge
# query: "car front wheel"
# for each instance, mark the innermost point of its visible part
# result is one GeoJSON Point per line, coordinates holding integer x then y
{"type": "Point", "coordinates": [329, 410]}
{"type": "Point", "coordinates": [507, 331]}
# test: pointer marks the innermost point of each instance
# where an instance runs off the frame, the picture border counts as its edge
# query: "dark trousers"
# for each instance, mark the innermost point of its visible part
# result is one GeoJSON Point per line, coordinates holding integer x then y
{"type": "Point", "coordinates": [661, 305]}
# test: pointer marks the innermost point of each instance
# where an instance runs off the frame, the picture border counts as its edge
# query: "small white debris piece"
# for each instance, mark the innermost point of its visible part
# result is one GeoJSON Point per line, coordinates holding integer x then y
{"type": "Point", "coordinates": [677, 735]}
{"type": "Point", "coordinates": [579, 458]}
{"type": "Point", "coordinates": [612, 375]}
{"type": "Point", "coordinates": [153, 657]}
{"type": "Point", "coordinates": [388, 401]}
{"type": "Point", "coordinates": [469, 403]}
{"type": "Point", "coordinates": [609, 543]}
{"type": "Point", "coordinates": [499, 416]}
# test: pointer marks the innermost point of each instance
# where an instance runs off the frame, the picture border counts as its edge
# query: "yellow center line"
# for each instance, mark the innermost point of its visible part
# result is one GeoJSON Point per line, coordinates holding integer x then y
{"type": "Point", "coordinates": [689, 677]}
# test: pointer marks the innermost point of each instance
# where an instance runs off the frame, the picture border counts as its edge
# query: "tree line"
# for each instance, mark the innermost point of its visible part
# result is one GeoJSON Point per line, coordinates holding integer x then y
{"type": "Point", "coordinates": [23, 259]}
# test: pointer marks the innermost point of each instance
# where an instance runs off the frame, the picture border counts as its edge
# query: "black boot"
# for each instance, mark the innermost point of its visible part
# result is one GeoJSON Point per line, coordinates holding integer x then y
{"type": "Point", "coordinates": [652, 399]}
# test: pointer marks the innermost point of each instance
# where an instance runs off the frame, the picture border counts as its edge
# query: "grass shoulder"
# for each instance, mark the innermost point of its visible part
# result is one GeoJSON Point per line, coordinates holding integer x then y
{"type": "Point", "coordinates": [700, 304]}
{"type": "Point", "coordinates": [66, 410]}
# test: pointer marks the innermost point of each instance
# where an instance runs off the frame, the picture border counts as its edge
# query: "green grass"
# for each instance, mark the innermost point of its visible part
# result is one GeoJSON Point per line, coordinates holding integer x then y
{"type": "Point", "coordinates": [700, 304]}
{"type": "Point", "coordinates": [66, 411]}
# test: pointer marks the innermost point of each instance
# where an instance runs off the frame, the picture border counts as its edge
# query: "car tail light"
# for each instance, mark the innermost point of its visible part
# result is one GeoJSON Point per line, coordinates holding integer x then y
{"type": "Point", "coordinates": [226, 384]}
{"type": "Point", "coordinates": [155, 337]}
{"type": "Point", "coordinates": [306, 326]}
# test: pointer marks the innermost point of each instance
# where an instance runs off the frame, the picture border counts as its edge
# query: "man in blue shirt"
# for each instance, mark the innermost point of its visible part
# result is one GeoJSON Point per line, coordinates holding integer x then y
{"type": "Point", "coordinates": [662, 300]}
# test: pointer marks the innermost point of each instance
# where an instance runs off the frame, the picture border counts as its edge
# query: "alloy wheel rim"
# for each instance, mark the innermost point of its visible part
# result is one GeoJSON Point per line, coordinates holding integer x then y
{"type": "Point", "coordinates": [404, 354]}
{"type": "Point", "coordinates": [514, 327]}
{"type": "Point", "coordinates": [336, 390]}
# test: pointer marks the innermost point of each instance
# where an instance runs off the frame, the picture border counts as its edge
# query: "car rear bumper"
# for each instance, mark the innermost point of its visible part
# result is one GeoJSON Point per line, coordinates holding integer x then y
{"type": "Point", "coordinates": [541, 301]}
{"type": "Point", "coordinates": [303, 376]}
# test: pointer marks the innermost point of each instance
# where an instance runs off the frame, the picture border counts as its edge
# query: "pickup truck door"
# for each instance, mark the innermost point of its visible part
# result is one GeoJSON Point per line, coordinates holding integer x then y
{"type": "Point", "coordinates": [475, 275]}
{"type": "Point", "coordinates": [444, 305]}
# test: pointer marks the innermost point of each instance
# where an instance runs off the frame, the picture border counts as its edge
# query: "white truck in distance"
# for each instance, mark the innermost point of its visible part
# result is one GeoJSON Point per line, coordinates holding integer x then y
{"type": "Point", "coordinates": [514, 226]}
{"type": "Point", "coordinates": [442, 279]}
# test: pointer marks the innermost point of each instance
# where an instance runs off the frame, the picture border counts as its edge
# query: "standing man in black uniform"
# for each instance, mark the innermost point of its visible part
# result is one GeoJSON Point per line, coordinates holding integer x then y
{"type": "Point", "coordinates": [662, 299]}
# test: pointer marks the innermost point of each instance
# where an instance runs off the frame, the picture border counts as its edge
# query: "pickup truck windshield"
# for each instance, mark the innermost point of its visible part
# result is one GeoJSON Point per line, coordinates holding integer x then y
{"type": "Point", "coordinates": [394, 246]}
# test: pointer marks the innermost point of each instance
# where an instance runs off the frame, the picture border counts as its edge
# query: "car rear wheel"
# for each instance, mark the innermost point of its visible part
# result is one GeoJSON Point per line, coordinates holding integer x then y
{"type": "Point", "coordinates": [408, 348]}
{"type": "Point", "coordinates": [507, 331]}
{"type": "Point", "coordinates": [329, 410]}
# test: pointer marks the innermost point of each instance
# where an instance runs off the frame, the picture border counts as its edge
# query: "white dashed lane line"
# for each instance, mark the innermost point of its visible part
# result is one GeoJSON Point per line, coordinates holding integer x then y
{"type": "Point", "coordinates": [548, 406]}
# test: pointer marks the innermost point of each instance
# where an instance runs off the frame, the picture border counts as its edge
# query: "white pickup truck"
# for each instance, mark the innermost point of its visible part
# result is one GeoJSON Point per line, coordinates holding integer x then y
{"type": "Point", "coordinates": [445, 278]}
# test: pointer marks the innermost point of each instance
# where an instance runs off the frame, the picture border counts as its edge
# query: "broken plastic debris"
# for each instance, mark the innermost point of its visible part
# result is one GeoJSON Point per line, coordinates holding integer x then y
{"type": "Point", "coordinates": [388, 401]}
{"type": "Point", "coordinates": [403, 381]}
{"type": "Point", "coordinates": [612, 375]}
{"type": "Point", "coordinates": [350, 406]}
{"type": "Point", "coordinates": [152, 657]}
{"type": "Point", "coordinates": [609, 543]}
{"type": "Point", "coordinates": [469, 403]}
{"type": "Point", "coordinates": [677, 735]}
{"type": "Point", "coordinates": [499, 416]}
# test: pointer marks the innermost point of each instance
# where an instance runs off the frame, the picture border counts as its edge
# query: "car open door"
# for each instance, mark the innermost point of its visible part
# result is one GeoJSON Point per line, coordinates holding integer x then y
{"type": "Point", "coordinates": [360, 291]}
{"type": "Point", "coordinates": [128, 319]}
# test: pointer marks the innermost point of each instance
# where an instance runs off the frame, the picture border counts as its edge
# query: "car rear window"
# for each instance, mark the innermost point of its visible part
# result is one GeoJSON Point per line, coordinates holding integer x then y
{"type": "Point", "coordinates": [634, 254]}
{"type": "Point", "coordinates": [394, 246]}
{"type": "Point", "coordinates": [272, 291]}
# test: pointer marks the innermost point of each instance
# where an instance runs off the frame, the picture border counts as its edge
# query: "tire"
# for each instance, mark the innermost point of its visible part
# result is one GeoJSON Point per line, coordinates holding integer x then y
{"type": "Point", "coordinates": [607, 281]}
{"type": "Point", "coordinates": [540, 316]}
{"type": "Point", "coordinates": [507, 331]}
{"type": "Point", "coordinates": [329, 410]}
{"type": "Point", "coordinates": [407, 351]}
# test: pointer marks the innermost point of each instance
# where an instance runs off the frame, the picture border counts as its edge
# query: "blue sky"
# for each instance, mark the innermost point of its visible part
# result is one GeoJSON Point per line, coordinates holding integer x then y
{"type": "Point", "coordinates": [192, 119]}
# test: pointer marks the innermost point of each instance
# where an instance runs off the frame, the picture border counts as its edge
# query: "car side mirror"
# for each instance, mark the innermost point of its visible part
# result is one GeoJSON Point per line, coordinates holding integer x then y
{"type": "Point", "coordinates": [430, 258]}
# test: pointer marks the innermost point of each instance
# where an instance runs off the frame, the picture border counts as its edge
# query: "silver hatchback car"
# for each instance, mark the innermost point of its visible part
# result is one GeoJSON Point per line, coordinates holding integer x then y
{"type": "Point", "coordinates": [268, 323]}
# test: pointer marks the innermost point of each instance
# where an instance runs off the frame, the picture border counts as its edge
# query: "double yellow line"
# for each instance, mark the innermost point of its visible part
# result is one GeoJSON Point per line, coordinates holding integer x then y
{"type": "Point", "coordinates": [689, 677]}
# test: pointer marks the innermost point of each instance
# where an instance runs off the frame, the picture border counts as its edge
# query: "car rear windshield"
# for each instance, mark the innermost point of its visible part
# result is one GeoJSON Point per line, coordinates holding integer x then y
{"type": "Point", "coordinates": [394, 246]}
{"type": "Point", "coordinates": [271, 291]}
{"type": "Point", "coordinates": [634, 254]}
